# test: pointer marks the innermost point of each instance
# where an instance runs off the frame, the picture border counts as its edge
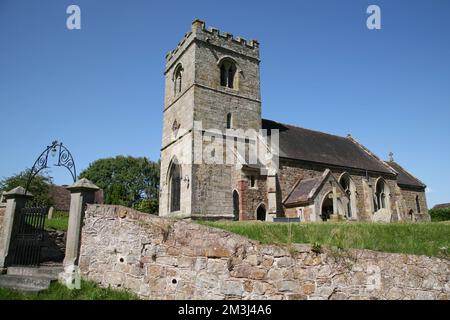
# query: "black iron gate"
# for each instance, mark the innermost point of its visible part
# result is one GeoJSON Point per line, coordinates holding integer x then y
{"type": "Point", "coordinates": [28, 236]}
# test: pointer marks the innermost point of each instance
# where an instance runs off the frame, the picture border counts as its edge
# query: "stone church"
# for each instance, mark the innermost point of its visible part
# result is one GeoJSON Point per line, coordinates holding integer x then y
{"type": "Point", "coordinates": [213, 78]}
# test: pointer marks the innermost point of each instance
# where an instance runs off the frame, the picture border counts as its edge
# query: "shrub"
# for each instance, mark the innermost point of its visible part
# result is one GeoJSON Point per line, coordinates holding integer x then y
{"type": "Point", "coordinates": [442, 214]}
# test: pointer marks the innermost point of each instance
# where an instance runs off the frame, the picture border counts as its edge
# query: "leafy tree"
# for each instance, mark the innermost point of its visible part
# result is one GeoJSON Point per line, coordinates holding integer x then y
{"type": "Point", "coordinates": [128, 181]}
{"type": "Point", "coordinates": [39, 186]}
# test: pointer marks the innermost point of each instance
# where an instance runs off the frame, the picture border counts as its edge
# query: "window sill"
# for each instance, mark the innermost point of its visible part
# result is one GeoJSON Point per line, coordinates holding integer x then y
{"type": "Point", "coordinates": [227, 89]}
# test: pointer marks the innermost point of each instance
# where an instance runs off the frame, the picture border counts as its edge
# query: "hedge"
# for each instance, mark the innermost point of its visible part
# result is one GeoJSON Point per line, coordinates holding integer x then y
{"type": "Point", "coordinates": [440, 214]}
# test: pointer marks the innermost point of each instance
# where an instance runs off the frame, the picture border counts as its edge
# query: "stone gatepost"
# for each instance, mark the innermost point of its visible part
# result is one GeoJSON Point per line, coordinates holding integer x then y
{"type": "Point", "coordinates": [82, 192]}
{"type": "Point", "coordinates": [15, 201]}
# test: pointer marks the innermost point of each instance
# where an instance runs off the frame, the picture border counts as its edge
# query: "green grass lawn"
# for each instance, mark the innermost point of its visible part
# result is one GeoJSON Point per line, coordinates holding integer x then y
{"type": "Point", "coordinates": [431, 239]}
{"type": "Point", "coordinates": [59, 221]}
{"type": "Point", "coordinates": [57, 291]}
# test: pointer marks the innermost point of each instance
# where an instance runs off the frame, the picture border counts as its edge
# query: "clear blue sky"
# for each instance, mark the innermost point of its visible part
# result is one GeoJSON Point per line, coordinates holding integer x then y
{"type": "Point", "coordinates": [100, 89]}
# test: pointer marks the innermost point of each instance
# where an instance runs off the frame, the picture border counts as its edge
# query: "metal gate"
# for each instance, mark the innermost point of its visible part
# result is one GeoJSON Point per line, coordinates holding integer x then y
{"type": "Point", "coordinates": [28, 236]}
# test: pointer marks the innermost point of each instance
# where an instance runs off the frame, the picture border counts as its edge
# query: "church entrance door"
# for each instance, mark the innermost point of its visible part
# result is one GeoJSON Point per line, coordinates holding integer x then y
{"type": "Point", "coordinates": [327, 207]}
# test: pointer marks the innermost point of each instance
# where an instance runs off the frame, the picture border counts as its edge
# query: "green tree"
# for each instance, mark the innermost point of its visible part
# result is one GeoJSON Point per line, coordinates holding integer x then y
{"type": "Point", "coordinates": [128, 181]}
{"type": "Point", "coordinates": [39, 186]}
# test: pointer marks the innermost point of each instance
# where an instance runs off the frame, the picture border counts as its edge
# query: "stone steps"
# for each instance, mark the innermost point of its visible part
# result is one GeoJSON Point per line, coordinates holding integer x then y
{"type": "Point", "coordinates": [44, 271]}
{"type": "Point", "coordinates": [29, 279]}
{"type": "Point", "coordinates": [24, 283]}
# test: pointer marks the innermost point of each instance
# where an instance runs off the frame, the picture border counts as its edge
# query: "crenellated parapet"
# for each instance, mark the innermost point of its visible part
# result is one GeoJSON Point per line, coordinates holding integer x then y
{"type": "Point", "coordinates": [215, 37]}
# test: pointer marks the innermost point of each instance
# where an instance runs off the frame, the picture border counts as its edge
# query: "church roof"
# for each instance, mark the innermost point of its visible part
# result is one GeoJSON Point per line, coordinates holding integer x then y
{"type": "Point", "coordinates": [442, 206]}
{"type": "Point", "coordinates": [300, 193]}
{"type": "Point", "coordinates": [315, 146]}
{"type": "Point", "coordinates": [404, 177]}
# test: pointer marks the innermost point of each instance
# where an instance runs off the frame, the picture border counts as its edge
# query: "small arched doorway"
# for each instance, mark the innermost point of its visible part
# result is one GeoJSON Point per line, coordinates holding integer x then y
{"type": "Point", "coordinates": [261, 213]}
{"type": "Point", "coordinates": [411, 215]}
{"type": "Point", "coordinates": [175, 187]}
{"type": "Point", "coordinates": [327, 207]}
{"type": "Point", "coordinates": [235, 205]}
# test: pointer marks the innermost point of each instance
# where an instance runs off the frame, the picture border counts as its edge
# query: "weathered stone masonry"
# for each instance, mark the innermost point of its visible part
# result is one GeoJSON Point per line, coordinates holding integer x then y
{"type": "Point", "coordinates": [159, 258]}
{"type": "Point", "coordinates": [2, 212]}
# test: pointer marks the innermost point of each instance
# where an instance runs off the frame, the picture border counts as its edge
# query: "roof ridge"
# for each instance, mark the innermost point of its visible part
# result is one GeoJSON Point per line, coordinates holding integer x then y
{"type": "Point", "coordinates": [303, 128]}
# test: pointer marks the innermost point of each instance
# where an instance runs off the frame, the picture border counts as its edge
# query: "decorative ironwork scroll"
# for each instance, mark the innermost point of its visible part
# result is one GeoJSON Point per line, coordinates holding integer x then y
{"type": "Point", "coordinates": [65, 159]}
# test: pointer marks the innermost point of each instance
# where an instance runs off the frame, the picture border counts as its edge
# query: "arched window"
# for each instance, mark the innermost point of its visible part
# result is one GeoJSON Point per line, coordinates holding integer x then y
{"type": "Point", "coordinates": [380, 195]}
{"type": "Point", "coordinates": [235, 205]}
{"type": "Point", "coordinates": [417, 204]}
{"type": "Point", "coordinates": [223, 76]}
{"type": "Point", "coordinates": [229, 121]}
{"type": "Point", "coordinates": [261, 213]}
{"type": "Point", "coordinates": [347, 185]}
{"type": "Point", "coordinates": [227, 73]}
{"type": "Point", "coordinates": [175, 187]}
{"type": "Point", "coordinates": [178, 79]}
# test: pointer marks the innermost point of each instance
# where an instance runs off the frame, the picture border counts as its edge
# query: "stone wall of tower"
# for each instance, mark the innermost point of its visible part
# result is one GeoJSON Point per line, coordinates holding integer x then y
{"type": "Point", "coordinates": [177, 127]}
{"type": "Point", "coordinates": [181, 151]}
{"type": "Point", "coordinates": [203, 99]}
{"type": "Point", "coordinates": [213, 102]}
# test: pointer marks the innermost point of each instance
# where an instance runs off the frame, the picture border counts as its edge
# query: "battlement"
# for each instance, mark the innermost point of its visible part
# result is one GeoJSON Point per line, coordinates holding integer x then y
{"type": "Point", "coordinates": [213, 36]}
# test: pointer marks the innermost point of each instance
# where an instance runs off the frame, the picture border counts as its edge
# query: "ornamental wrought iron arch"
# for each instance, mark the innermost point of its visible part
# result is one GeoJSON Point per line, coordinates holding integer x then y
{"type": "Point", "coordinates": [65, 160]}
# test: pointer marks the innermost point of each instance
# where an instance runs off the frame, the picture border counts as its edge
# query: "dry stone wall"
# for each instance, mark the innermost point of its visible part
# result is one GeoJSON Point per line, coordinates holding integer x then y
{"type": "Point", "coordinates": [159, 258]}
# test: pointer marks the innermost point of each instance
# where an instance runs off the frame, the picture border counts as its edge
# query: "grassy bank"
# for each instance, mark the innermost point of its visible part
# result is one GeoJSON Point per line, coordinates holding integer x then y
{"type": "Point", "coordinates": [432, 239]}
{"type": "Point", "coordinates": [88, 291]}
{"type": "Point", "coordinates": [59, 221]}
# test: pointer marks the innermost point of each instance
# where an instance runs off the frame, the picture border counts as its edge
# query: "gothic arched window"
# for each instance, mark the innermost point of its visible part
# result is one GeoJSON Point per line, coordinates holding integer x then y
{"type": "Point", "coordinates": [178, 78]}
{"type": "Point", "coordinates": [227, 73]}
{"type": "Point", "coordinates": [380, 195]}
{"type": "Point", "coordinates": [175, 187]}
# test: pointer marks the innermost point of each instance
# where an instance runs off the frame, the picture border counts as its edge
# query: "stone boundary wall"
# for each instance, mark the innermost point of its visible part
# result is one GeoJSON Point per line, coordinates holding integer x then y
{"type": "Point", "coordinates": [159, 258]}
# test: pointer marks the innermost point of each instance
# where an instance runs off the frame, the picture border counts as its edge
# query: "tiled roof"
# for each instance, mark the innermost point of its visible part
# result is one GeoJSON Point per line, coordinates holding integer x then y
{"type": "Point", "coordinates": [314, 146]}
{"type": "Point", "coordinates": [301, 191]}
{"type": "Point", "coordinates": [404, 177]}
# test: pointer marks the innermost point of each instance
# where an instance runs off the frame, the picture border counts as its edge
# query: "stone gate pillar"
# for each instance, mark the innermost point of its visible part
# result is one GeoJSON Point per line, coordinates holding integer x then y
{"type": "Point", "coordinates": [15, 201]}
{"type": "Point", "coordinates": [82, 192]}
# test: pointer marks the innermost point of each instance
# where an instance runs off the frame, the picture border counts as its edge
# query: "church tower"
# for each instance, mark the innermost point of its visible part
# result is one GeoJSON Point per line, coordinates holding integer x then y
{"type": "Point", "coordinates": [211, 79]}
